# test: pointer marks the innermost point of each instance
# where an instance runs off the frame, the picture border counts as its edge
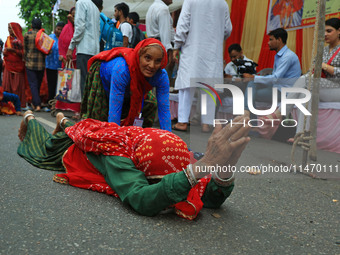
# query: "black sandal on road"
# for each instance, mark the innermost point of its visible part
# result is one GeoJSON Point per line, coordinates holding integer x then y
{"type": "Point", "coordinates": [174, 127]}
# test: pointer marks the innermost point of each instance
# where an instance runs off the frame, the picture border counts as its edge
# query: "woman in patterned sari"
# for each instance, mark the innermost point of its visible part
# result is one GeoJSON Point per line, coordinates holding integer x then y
{"type": "Point", "coordinates": [14, 72]}
{"type": "Point", "coordinates": [148, 169]}
{"type": "Point", "coordinates": [119, 85]}
{"type": "Point", "coordinates": [329, 82]}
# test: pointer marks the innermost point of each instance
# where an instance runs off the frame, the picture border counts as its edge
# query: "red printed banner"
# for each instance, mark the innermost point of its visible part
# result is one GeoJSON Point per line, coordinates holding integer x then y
{"type": "Point", "coordinates": [297, 14]}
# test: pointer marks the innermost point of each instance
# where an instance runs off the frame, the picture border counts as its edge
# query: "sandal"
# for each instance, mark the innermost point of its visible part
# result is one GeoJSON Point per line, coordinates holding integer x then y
{"type": "Point", "coordinates": [205, 128]}
{"type": "Point", "coordinates": [37, 109]}
{"type": "Point", "coordinates": [178, 129]}
{"type": "Point", "coordinates": [194, 122]}
{"type": "Point", "coordinates": [291, 140]}
{"type": "Point", "coordinates": [76, 117]}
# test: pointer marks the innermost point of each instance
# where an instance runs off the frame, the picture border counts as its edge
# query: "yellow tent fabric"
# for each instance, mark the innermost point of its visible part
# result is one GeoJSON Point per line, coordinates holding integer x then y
{"type": "Point", "coordinates": [254, 29]}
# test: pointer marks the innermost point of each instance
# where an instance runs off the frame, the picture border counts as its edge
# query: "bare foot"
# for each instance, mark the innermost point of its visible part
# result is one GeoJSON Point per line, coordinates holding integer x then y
{"type": "Point", "coordinates": [76, 116]}
{"type": "Point", "coordinates": [58, 128]}
{"type": "Point", "coordinates": [23, 126]}
{"type": "Point", "coordinates": [246, 113]}
{"type": "Point", "coordinates": [205, 128]}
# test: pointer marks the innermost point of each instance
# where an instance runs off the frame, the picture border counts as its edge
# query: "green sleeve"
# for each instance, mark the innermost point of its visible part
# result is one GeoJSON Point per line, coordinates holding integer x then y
{"type": "Point", "coordinates": [214, 195]}
{"type": "Point", "coordinates": [133, 188]}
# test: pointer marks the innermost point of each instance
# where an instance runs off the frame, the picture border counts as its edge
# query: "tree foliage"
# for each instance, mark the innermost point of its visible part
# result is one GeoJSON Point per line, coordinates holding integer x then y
{"type": "Point", "coordinates": [42, 9]}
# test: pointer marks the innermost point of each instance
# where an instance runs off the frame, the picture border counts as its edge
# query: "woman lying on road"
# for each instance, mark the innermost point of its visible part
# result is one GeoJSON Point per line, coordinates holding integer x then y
{"type": "Point", "coordinates": [121, 161]}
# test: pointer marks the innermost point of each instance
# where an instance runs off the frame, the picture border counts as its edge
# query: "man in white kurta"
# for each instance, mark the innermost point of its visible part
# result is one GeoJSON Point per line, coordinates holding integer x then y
{"type": "Point", "coordinates": [159, 25]}
{"type": "Point", "coordinates": [202, 27]}
{"type": "Point", "coordinates": [159, 22]}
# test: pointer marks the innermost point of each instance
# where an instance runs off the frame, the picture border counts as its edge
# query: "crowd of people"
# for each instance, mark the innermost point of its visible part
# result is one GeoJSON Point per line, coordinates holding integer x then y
{"type": "Point", "coordinates": [122, 90]}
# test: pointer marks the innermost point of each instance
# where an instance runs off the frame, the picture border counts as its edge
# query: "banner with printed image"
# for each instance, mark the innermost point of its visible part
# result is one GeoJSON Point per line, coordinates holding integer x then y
{"type": "Point", "coordinates": [297, 14]}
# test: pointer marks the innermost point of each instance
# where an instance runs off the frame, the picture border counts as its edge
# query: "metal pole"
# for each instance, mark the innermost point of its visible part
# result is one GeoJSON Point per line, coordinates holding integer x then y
{"type": "Point", "coordinates": [305, 151]}
{"type": "Point", "coordinates": [316, 80]}
{"type": "Point", "coordinates": [52, 22]}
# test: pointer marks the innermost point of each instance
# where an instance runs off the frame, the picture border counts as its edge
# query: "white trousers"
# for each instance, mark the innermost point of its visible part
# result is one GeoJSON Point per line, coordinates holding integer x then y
{"type": "Point", "coordinates": [186, 97]}
{"type": "Point", "coordinates": [327, 92]}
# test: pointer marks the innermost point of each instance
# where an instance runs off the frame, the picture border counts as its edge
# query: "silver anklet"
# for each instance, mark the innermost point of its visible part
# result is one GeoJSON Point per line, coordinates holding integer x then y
{"type": "Point", "coordinates": [61, 122]}
{"type": "Point", "coordinates": [26, 116]}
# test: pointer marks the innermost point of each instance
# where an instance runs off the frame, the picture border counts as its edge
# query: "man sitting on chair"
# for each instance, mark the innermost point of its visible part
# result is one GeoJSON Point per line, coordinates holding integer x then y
{"type": "Point", "coordinates": [286, 70]}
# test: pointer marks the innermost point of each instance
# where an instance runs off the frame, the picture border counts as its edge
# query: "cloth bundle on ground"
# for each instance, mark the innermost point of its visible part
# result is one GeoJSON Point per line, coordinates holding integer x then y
{"type": "Point", "coordinates": [6, 107]}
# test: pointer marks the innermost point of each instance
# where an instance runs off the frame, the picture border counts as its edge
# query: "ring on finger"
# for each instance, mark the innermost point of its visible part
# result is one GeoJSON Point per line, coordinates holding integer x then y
{"type": "Point", "coordinates": [230, 140]}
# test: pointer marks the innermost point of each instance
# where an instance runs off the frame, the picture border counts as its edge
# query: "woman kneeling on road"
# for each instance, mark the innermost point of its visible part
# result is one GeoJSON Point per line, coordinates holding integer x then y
{"type": "Point", "coordinates": [118, 86]}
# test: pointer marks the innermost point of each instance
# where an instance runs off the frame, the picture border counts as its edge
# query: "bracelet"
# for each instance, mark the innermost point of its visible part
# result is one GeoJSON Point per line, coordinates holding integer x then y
{"type": "Point", "coordinates": [190, 175]}
{"type": "Point", "coordinates": [61, 123]}
{"type": "Point", "coordinates": [223, 182]}
{"type": "Point", "coordinates": [26, 116]}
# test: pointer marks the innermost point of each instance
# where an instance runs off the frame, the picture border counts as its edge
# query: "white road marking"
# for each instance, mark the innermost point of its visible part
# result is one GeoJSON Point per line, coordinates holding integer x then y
{"type": "Point", "coordinates": [46, 122]}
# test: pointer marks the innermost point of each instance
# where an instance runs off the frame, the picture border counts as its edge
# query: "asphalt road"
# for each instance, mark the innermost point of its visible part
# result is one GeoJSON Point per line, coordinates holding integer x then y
{"type": "Point", "coordinates": [276, 213]}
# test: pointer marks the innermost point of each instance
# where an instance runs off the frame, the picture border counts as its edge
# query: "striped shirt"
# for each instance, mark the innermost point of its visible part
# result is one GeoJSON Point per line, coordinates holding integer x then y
{"type": "Point", "coordinates": [35, 59]}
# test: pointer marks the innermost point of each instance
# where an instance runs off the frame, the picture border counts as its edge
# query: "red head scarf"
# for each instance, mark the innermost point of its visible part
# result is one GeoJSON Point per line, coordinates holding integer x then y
{"type": "Point", "coordinates": [138, 85]}
{"type": "Point", "coordinates": [13, 60]}
{"type": "Point", "coordinates": [17, 30]}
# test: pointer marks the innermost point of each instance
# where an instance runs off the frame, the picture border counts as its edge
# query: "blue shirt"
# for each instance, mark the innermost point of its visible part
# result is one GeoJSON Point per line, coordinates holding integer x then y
{"type": "Point", "coordinates": [115, 76]}
{"type": "Point", "coordinates": [286, 70]}
{"type": "Point", "coordinates": [52, 59]}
